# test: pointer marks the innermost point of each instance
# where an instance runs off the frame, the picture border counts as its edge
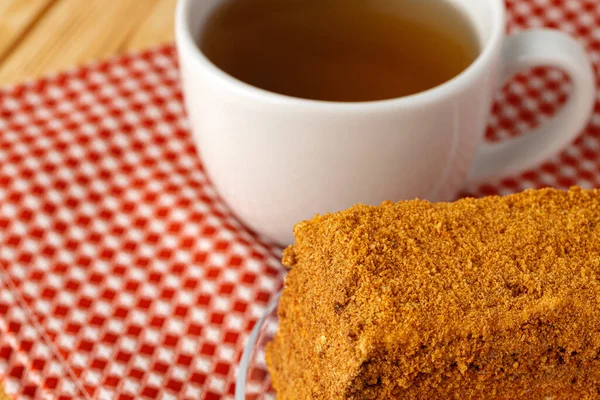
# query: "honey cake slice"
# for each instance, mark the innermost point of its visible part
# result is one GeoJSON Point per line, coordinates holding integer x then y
{"type": "Point", "coordinates": [494, 298]}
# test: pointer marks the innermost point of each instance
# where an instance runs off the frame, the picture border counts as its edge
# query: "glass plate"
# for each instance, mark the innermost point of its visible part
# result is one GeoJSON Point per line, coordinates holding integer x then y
{"type": "Point", "coordinates": [253, 381]}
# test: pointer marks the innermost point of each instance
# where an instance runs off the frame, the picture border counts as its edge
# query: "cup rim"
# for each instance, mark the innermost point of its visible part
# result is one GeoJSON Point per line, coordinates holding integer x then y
{"type": "Point", "coordinates": [186, 44]}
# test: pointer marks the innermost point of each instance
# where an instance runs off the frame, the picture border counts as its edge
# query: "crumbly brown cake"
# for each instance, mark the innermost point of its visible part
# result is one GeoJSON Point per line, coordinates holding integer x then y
{"type": "Point", "coordinates": [495, 298]}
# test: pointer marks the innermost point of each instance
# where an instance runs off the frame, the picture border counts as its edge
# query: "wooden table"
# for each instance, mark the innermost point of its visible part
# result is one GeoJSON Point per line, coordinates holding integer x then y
{"type": "Point", "coordinates": [43, 36]}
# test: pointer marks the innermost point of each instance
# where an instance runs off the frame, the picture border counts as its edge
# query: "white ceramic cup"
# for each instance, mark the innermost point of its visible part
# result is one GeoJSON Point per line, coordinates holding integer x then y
{"type": "Point", "coordinates": [277, 160]}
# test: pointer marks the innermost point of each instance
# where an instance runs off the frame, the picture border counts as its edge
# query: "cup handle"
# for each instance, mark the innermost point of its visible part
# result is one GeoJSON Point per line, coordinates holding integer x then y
{"type": "Point", "coordinates": [540, 47]}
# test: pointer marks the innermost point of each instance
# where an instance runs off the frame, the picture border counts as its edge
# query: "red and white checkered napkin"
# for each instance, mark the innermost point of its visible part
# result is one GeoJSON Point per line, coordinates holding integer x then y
{"type": "Point", "coordinates": [122, 274]}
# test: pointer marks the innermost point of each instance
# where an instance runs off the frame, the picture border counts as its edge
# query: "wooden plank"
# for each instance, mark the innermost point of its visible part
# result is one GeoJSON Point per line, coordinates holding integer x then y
{"type": "Point", "coordinates": [16, 17]}
{"type": "Point", "coordinates": [157, 29]}
{"type": "Point", "coordinates": [74, 32]}
{"type": "Point", "coordinates": [3, 395]}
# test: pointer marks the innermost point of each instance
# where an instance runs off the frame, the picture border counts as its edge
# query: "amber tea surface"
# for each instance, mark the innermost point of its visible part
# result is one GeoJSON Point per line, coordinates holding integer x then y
{"type": "Point", "coordinates": [340, 50]}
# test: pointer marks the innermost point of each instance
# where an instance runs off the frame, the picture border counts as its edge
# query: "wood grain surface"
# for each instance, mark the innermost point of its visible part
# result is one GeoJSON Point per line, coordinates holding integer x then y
{"type": "Point", "coordinates": [3, 395]}
{"type": "Point", "coordinates": [43, 36]}
{"type": "Point", "coordinates": [38, 37]}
